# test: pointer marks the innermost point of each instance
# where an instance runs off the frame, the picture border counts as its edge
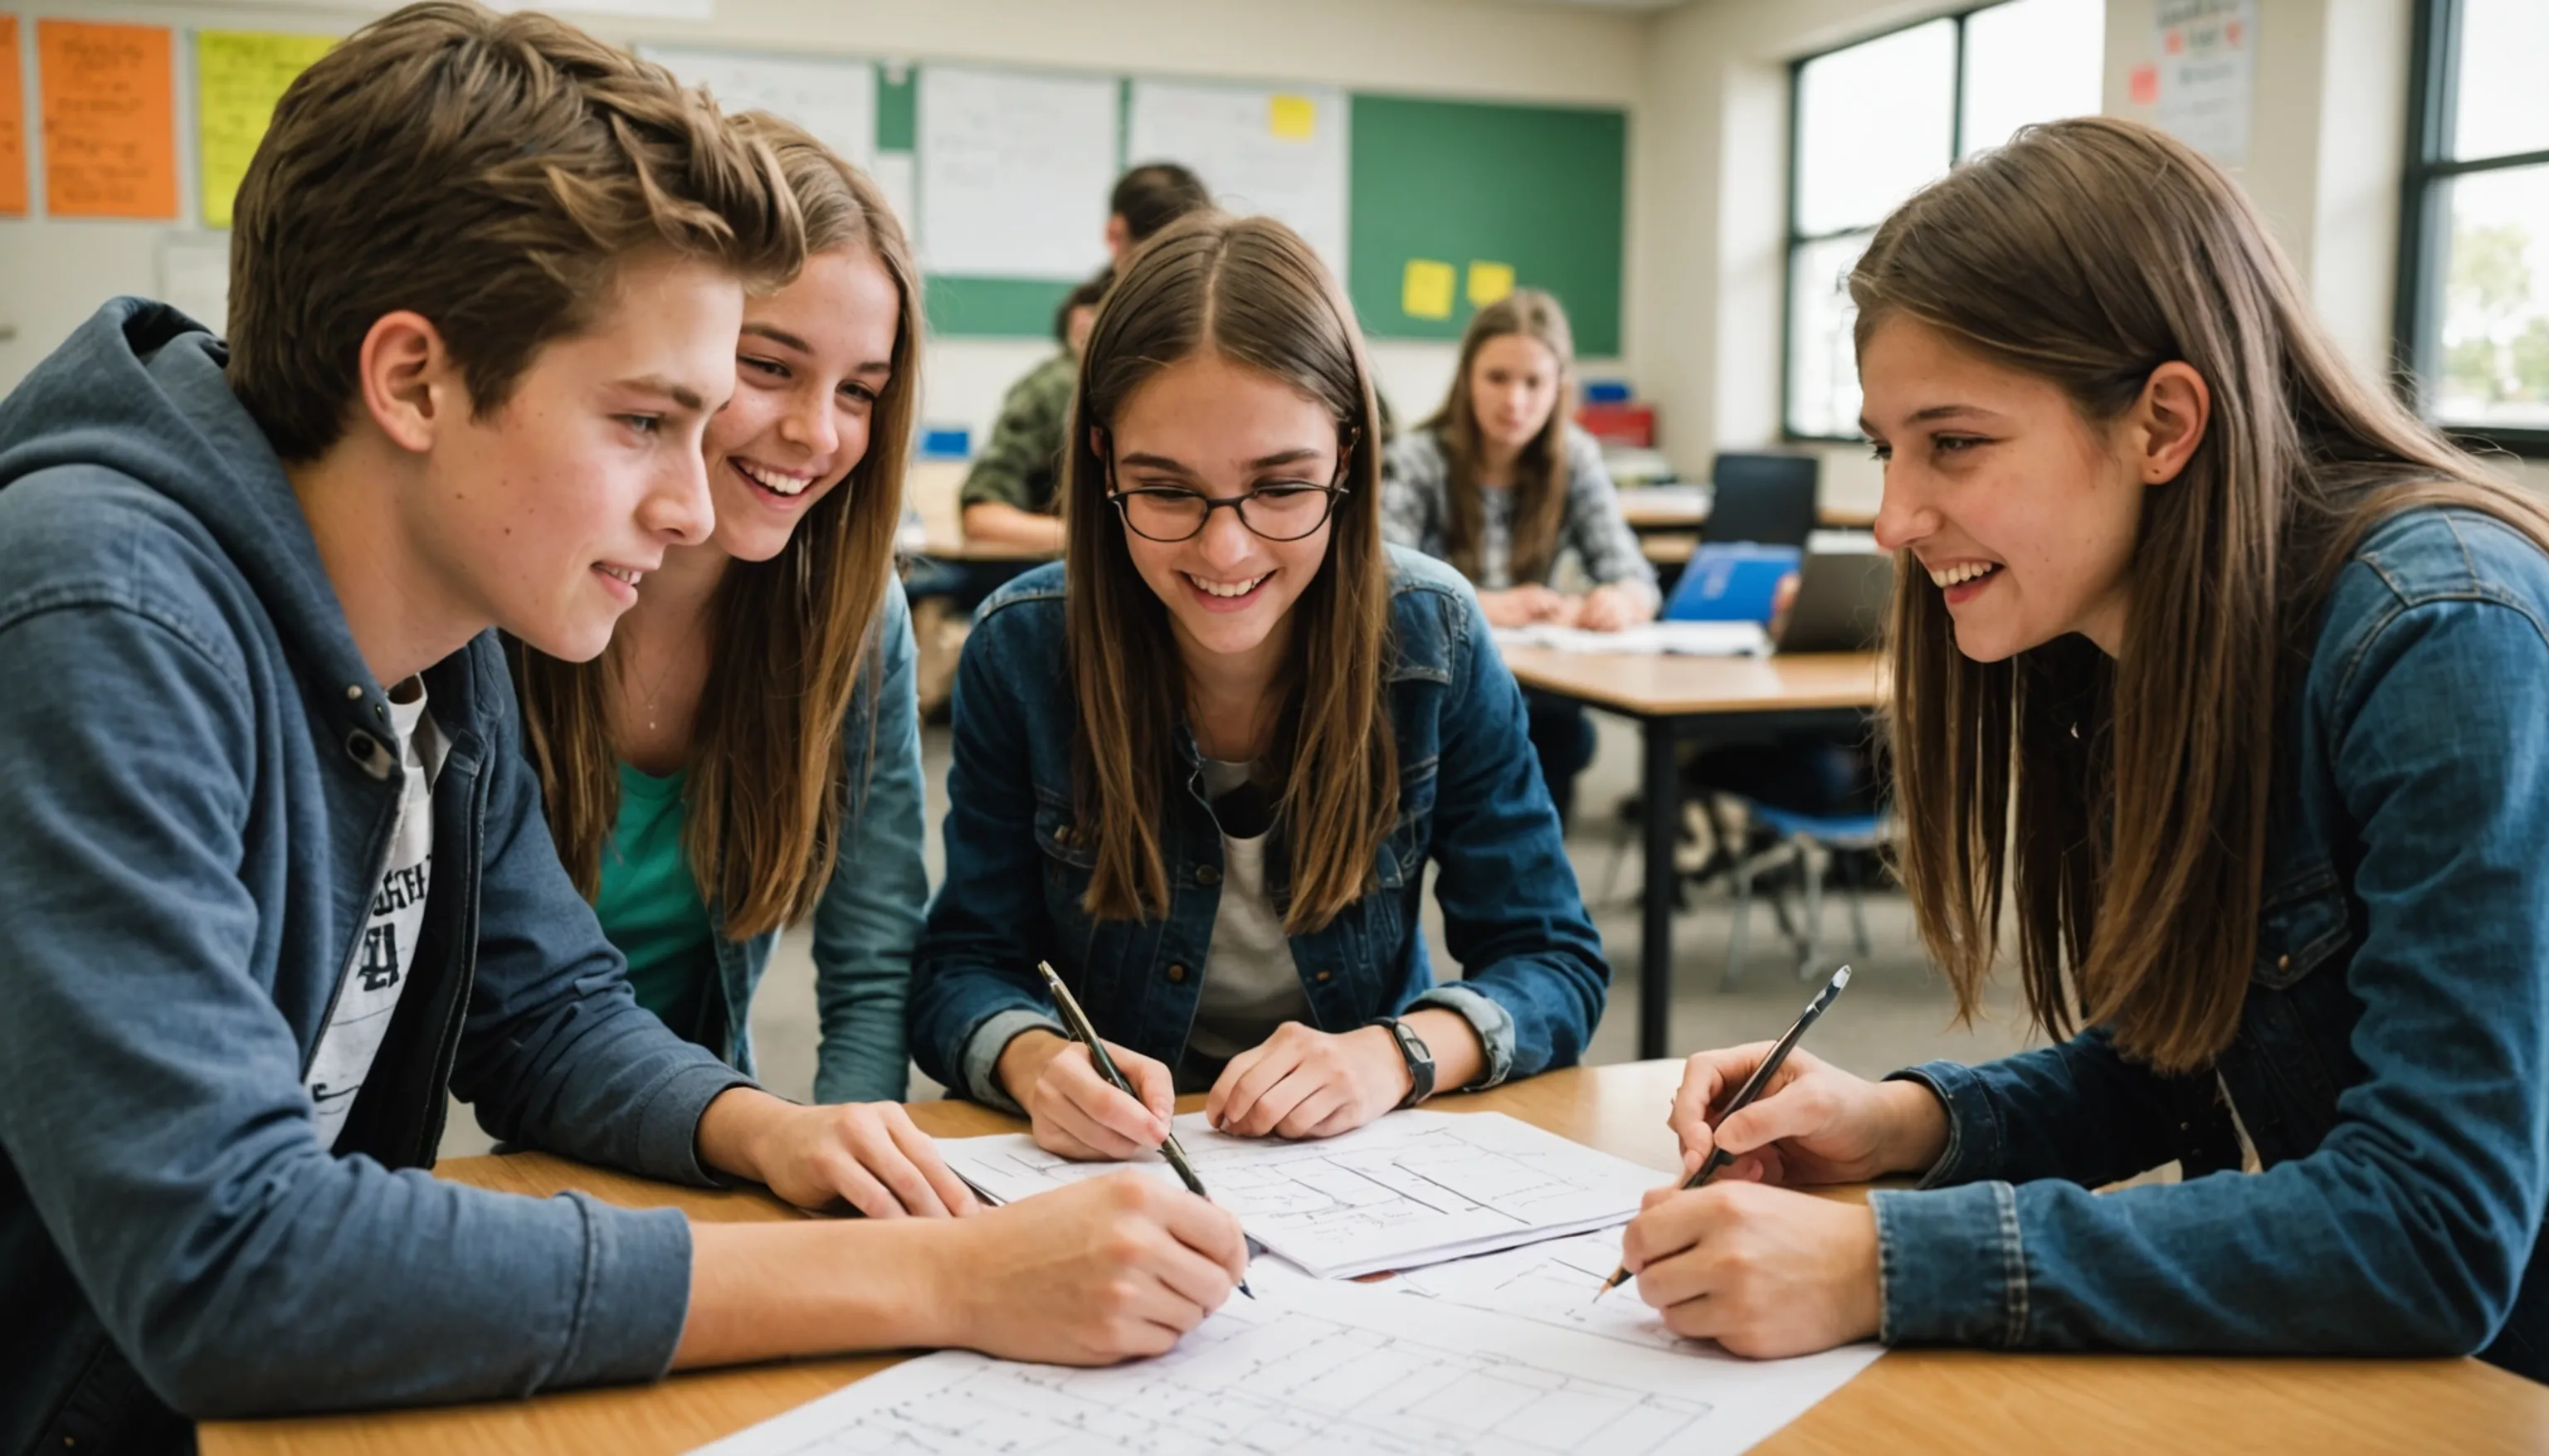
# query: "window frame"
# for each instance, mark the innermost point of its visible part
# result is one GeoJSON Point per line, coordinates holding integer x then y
{"type": "Point", "coordinates": [2427, 168]}
{"type": "Point", "coordinates": [1788, 224]}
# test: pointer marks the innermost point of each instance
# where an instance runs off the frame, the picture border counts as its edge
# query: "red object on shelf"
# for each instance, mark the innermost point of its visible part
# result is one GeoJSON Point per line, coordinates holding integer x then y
{"type": "Point", "coordinates": [1619, 424]}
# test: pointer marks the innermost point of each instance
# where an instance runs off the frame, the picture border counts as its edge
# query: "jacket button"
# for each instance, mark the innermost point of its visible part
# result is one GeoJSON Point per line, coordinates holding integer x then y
{"type": "Point", "coordinates": [1177, 974]}
{"type": "Point", "coordinates": [1206, 874]}
{"type": "Point", "coordinates": [1325, 976]}
{"type": "Point", "coordinates": [353, 692]}
{"type": "Point", "coordinates": [2283, 963]}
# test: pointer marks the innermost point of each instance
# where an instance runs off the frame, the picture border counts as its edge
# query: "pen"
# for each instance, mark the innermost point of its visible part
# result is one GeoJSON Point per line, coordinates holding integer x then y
{"type": "Point", "coordinates": [1719, 1158]}
{"type": "Point", "coordinates": [1087, 1035]}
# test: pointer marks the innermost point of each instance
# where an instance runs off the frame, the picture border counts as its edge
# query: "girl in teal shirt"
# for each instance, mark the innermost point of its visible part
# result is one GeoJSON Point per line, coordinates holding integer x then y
{"type": "Point", "coordinates": [747, 753]}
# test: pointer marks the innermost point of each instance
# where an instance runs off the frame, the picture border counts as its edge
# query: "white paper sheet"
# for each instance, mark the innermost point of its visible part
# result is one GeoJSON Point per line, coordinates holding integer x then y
{"type": "Point", "coordinates": [1326, 1368]}
{"type": "Point", "coordinates": [835, 99]}
{"type": "Point", "coordinates": [1278, 150]}
{"type": "Point", "coordinates": [1016, 168]}
{"type": "Point", "coordinates": [1646, 639]}
{"type": "Point", "coordinates": [1414, 1188]}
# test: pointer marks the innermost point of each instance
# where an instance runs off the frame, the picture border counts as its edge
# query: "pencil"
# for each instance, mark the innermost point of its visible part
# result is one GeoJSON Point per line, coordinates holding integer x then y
{"type": "Point", "coordinates": [1719, 1158]}
{"type": "Point", "coordinates": [1085, 1033]}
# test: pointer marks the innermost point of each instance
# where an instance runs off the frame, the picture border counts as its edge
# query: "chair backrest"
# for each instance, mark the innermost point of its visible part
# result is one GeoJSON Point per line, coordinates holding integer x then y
{"type": "Point", "coordinates": [1761, 497]}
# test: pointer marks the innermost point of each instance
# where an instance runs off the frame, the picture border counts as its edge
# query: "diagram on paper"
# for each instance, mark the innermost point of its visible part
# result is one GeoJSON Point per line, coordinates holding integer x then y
{"type": "Point", "coordinates": [1410, 1189]}
{"type": "Point", "coordinates": [1552, 1283]}
{"type": "Point", "coordinates": [1326, 1368]}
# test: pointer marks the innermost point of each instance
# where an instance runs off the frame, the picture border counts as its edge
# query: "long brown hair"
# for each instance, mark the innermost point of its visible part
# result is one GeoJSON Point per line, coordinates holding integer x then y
{"type": "Point", "coordinates": [768, 784]}
{"type": "Point", "coordinates": [1250, 291]}
{"type": "Point", "coordinates": [2137, 792]}
{"type": "Point", "coordinates": [1540, 472]}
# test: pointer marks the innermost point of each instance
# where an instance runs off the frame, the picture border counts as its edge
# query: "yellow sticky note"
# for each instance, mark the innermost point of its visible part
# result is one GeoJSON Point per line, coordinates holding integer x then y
{"type": "Point", "coordinates": [1489, 282]}
{"type": "Point", "coordinates": [1426, 291]}
{"type": "Point", "coordinates": [239, 76]}
{"type": "Point", "coordinates": [1292, 118]}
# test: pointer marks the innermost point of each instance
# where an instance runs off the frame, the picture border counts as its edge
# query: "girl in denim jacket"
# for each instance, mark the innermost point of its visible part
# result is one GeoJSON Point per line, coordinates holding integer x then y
{"type": "Point", "coordinates": [2236, 676]}
{"type": "Point", "coordinates": [1201, 764]}
{"type": "Point", "coordinates": [747, 754]}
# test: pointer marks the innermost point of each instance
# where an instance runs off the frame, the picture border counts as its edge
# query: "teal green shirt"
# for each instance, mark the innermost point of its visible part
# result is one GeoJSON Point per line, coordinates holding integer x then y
{"type": "Point", "coordinates": [651, 909]}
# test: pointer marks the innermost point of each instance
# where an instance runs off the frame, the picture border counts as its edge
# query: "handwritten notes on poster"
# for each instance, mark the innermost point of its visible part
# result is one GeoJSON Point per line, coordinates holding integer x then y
{"type": "Point", "coordinates": [238, 77]}
{"type": "Point", "coordinates": [109, 120]}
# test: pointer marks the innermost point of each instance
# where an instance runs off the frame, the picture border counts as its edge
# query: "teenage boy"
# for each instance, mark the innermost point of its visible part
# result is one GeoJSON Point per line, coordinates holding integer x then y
{"type": "Point", "coordinates": [275, 874]}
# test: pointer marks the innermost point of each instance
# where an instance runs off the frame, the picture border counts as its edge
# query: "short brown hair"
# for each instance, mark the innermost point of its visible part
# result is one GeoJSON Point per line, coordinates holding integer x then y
{"type": "Point", "coordinates": [1155, 194]}
{"type": "Point", "coordinates": [490, 172]}
{"type": "Point", "coordinates": [769, 786]}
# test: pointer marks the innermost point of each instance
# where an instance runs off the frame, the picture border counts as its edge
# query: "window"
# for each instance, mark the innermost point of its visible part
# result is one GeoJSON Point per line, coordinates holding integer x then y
{"type": "Point", "coordinates": [1873, 122]}
{"type": "Point", "coordinates": [2474, 235]}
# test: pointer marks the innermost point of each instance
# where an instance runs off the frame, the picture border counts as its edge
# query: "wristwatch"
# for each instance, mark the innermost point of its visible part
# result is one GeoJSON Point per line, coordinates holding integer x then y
{"type": "Point", "coordinates": [1420, 1060]}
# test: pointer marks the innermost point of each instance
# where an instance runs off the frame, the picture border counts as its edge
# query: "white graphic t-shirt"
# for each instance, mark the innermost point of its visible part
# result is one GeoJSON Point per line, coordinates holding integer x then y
{"type": "Point", "coordinates": [370, 994]}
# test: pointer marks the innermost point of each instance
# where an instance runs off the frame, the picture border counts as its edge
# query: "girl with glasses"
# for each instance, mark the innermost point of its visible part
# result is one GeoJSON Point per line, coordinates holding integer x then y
{"type": "Point", "coordinates": [1201, 764]}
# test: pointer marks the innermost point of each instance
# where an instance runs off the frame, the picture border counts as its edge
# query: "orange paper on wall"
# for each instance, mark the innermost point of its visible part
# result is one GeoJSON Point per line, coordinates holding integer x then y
{"type": "Point", "coordinates": [13, 123]}
{"type": "Point", "coordinates": [109, 119]}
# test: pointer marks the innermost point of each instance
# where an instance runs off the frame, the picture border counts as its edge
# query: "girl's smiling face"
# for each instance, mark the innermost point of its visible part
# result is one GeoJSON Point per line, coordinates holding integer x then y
{"type": "Point", "coordinates": [1223, 429]}
{"type": "Point", "coordinates": [809, 366]}
{"type": "Point", "coordinates": [2023, 513]}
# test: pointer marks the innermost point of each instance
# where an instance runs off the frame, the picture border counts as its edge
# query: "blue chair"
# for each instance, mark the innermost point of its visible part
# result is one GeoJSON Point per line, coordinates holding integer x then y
{"type": "Point", "coordinates": [1806, 841]}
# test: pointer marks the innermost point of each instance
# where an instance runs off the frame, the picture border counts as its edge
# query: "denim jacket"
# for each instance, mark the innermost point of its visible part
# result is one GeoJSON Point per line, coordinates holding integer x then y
{"type": "Point", "coordinates": [2392, 1063]}
{"type": "Point", "coordinates": [869, 917]}
{"type": "Point", "coordinates": [1470, 799]}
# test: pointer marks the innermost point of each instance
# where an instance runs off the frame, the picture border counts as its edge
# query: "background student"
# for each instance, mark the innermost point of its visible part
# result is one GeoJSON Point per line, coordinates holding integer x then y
{"type": "Point", "coordinates": [747, 753]}
{"type": "Point", "coordinates": [1500, 483]}
{"type": "Point", "coordinates": [1009, 496]}
{"type": "Point", "coordinates": [1201, 768]}
{"type": "Point", "coordinates": [283, 885]}
{"type": "Point", "coordinates": [2238, 675]}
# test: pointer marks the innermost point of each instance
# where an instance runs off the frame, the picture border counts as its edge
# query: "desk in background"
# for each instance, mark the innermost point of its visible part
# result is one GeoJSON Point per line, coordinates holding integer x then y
{"type": "Point", "coordinates": [1960, 1400]}
{"type": "Point", "coordinates": [1684, 508]}
{"type": "Point", "coordinates": [1693, 697]}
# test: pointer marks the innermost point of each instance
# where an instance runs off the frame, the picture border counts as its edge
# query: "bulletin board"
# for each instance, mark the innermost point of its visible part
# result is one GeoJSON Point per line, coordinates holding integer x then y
{"type": "Point", "coordinates": [1429, 207]}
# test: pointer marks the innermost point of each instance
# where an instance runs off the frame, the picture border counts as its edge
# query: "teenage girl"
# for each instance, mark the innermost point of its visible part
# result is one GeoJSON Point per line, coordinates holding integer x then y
{"type": "Point", "coordinates": [748, 750]}
{"type": "Point", "coordinates": [1201, 764]}
{"type": "Point", "coordinates": [1501, 481]}
{"type": "Point", "coordinates": [2234, 675]}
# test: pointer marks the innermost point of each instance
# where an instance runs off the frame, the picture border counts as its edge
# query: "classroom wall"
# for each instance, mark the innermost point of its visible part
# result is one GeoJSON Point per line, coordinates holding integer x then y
{"type": "Point", "coordinates": [54, 274]}
{"type": "Point", "coordinates": [1708, 246]}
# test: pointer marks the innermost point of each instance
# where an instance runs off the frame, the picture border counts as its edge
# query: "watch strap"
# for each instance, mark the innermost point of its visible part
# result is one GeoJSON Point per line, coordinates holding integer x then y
{"type": "Point", "coordinates": [1418, 1055]}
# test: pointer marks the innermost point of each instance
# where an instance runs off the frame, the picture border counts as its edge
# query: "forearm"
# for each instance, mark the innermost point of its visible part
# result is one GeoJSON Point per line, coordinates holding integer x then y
{"type": "Point", "coordinates": [2077, 1111]}
{"type": "Point", "coordinates": [769, 1291]}
{"type": "Point", "coordinates": [993, 524]}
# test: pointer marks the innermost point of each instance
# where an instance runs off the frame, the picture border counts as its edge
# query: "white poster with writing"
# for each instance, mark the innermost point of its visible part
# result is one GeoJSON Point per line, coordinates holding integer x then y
{"type": "Point", "coordinates": [2207, 58]}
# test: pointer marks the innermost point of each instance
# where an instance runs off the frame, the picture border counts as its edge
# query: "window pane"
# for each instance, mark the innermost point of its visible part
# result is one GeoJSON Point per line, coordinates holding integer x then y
{"type": "Point", "coordinates": [2503, 43]}
{"type": "Point", "coordinates": [1873, 123]}
{"type": "Point", "coordinates": [2494, 367]}
{"type": "Point", "coordinates": [1823, 368]}
{"type": "Point", "coordinates": [2033, 60]}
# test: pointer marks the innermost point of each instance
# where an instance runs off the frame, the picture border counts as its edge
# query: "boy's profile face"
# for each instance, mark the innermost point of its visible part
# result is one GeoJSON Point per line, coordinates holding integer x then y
{"type": "Point", "coordinates": [546, 515]}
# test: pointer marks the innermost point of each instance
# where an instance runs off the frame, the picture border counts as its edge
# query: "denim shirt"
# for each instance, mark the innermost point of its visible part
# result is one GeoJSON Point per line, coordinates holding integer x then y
{"type": "Point", "coordinates": [1470, 799]}
{"type": "Point", "coordinates": [2392, 1062]}
{"type": "Point", "coordinates": [869, 914]}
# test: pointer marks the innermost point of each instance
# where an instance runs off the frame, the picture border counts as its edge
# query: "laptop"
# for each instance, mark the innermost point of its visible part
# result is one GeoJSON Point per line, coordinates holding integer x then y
{"type": "Point", "coordinates": [1841, 601]}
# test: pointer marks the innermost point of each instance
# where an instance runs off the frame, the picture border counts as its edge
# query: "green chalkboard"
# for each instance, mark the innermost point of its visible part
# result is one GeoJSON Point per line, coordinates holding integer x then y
{"type": "Point", "coordinates": [1539, 189]}
{"type": "Point", "coordinates": [1002, 308]}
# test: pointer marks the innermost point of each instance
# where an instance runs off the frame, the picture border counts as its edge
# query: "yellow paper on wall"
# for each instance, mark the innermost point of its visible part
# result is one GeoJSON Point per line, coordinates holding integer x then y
{"type": "Point", "coordinates": [1426, 291]}
{"type": "Point", "coordinates": [1489, 282]}
{"type": "Point", "coordinates": [239, 76]}
{"type": "Point", "coordinates": [1292, 118]}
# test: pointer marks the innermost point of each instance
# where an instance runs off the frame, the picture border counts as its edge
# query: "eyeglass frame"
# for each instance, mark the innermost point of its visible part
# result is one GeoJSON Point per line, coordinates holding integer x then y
{"type": "Point", "coordinates": [1116, 495]}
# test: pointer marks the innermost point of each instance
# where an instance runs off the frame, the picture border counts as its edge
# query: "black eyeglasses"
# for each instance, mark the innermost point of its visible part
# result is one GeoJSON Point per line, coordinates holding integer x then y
{"type": "Point", "coordinates": [1284, 511]}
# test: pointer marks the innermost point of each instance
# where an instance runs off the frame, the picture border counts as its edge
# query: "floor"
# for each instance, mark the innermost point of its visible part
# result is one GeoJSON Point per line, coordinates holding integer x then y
{"type": "Point", "coordinates": [1897, 1011]}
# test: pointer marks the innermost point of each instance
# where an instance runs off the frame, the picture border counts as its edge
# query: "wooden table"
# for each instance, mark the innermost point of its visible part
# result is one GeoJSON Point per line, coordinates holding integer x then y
{"type": "Point", "coordinates": [959, 547]}
{"type": "Point", "coordinates": [1672, 507]}
{"type": "Point", "coordinates": [1674, 699]}
{"type": "Point", "coordinates": [1911, 1401]}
